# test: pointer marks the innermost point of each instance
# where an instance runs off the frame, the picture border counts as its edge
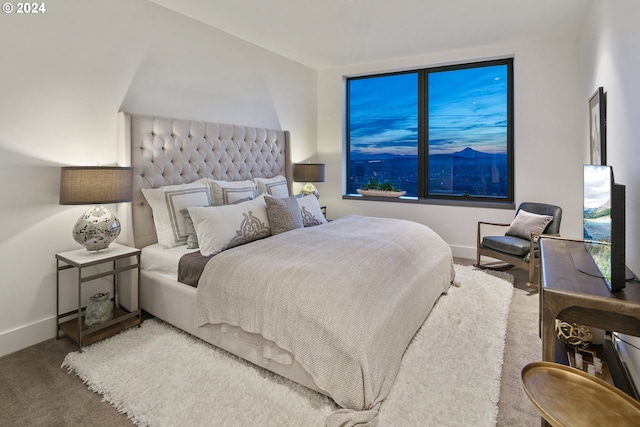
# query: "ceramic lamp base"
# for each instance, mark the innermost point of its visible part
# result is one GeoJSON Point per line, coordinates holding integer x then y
{"type": "Point", "coordinates": [96, 229]}
{"type": "Point", "coordinates": [309, 188]}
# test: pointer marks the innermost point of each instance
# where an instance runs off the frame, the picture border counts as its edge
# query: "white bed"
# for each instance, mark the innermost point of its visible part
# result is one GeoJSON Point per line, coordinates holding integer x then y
{"type": "Point", "coordinates": [166, 298]}
{"type": "Point", "coordinates": [170, 152]}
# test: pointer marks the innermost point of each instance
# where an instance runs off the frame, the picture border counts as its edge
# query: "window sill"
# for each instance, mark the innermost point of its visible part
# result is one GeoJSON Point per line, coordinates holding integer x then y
{"type": "Point", "coordinates": [442, 202]}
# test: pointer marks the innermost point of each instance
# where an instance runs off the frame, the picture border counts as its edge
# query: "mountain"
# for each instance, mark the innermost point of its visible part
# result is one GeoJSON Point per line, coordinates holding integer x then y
{"type": "Point", "coordinates": [470, 153]}
{"type": "Point", "coordinates": [602, 211]}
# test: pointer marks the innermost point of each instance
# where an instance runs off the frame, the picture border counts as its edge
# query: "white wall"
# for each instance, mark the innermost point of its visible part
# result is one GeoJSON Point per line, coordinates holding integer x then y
{"type": "Point", "coordinates": [65, 74]}
{"type": "Point", "coordinates": [549, 146]}
{"type": "Point", "coordinates": [611, 56]}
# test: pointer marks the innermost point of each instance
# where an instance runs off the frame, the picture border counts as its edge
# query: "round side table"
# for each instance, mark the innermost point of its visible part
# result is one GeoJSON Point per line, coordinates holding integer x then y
{"type": "Point", "coordinates": [566, 397]}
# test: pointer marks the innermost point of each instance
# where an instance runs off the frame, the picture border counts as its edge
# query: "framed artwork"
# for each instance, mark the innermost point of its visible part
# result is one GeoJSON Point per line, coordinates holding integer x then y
{"type": "Point", "coordinates": [598, 128]}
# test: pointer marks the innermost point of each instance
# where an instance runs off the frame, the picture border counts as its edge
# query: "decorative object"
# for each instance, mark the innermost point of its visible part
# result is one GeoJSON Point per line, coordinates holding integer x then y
{"type": "Point", "coordinates": [226, 226]}
{"type": "Point", "coordinates": [276, 186]}
{"type": "Point", "coordinates": [579, 361]}
{"type": "Point", "coordinates": [385, 189]}
{"type": "Point", "coordinates": [227, 192]}
{"type": "Point", "coordinates": [284, 214]}
{"type": "Point", "coordinates": [598, 127]}
{"type": "Point", "coordinates": [573, 334]}
{"type": "Point", "coordinates": [99, 310]}
{"type": "Point", "coordinates": [583, 358]}
{"type": "Point", "coordinates": [312, 213]}
{"type": "Point", "coordinates": [598, 364]}
{"type": "Point", "coordinates": [95, 185]}
{"type": "Point", "coordinates": [381, 193]}
{"type": "Point", "coordinates": [526, 223]}
{"type": "Point", "coordinates": [566, 396]}
{"type": "Point", "coordinates": [309, 173]}
{"type": "Point", "coordinates": [161, 396]}
{"type": "Point", "coordinates": [166, 203]}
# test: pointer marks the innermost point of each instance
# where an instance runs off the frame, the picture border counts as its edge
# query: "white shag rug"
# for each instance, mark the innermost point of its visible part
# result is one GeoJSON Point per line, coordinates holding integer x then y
{"type": "Point", "coordinates": [450, 373]}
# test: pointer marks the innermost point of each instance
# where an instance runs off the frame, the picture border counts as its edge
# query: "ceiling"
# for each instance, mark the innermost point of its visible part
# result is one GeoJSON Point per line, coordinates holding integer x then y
{"type": "Point", "coordinates": [333, 33]}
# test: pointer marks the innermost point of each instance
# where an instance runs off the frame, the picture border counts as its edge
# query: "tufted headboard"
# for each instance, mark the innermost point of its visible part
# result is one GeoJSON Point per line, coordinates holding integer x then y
{"type": "Point", "coordinates": [173, 151]}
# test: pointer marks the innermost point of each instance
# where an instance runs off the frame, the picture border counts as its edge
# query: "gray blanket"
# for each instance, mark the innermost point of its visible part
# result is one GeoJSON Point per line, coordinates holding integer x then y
{"type": "Point", "coordinates": [345, 298]}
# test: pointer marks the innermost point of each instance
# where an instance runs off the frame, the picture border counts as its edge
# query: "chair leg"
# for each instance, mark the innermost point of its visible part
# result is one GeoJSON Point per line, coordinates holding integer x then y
{"type": "Point", "coordinates": [532, 274]}
{"type": "Point", "coordinates": [532, 261]}
{"type": "Point", "coordinates": [478, 247]}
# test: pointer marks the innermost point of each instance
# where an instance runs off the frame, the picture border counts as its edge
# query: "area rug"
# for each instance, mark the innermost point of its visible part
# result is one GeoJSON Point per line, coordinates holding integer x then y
{"type": "Point", "coordinates": [450, 373]}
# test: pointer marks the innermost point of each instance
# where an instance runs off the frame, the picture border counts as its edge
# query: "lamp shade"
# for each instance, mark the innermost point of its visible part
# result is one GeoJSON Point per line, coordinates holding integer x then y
{"type": "Point", "coordinates": [92, 185]}
{"type": "Point", "coordinates": [96, 185]}
{"type": "Point", "coordinates": [308, 172]}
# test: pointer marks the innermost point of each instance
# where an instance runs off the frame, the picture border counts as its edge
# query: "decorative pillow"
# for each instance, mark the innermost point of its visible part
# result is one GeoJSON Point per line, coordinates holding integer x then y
{"type": "Point", "coordinates": [526, 223]}
{"type": "Point", "coordinates": [276, 186]}
{"type": "Point", "coordinates": [226, 192]}
{"type": "Point", "coordinates": [223, 227]}
{"type": "Point", "coordinates": [284, 214]}
{"type": "Point", "coordinates": [192, 236]}
{"type": "Point", "coordinates": [311, 211]}
{"type": "Point", "coordinates": [166, 203]}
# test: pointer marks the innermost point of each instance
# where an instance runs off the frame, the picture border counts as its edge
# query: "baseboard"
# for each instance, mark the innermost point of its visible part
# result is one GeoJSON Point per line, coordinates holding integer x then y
{"type": "Point", "coordinates": [465, 252]}
{"type": "Point", "coordinates": [26, 336]}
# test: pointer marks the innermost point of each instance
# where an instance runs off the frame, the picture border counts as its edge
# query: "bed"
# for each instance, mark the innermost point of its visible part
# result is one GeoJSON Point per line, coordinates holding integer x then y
{"type": "Point", "coordinates": [329, 305]}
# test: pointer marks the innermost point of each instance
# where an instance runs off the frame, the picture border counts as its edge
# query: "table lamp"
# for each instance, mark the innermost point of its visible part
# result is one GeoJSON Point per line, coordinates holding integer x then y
{"type": "Point", "coordinates": [96, 185]}
{"type": "Point", "coordinates": [309, 173]}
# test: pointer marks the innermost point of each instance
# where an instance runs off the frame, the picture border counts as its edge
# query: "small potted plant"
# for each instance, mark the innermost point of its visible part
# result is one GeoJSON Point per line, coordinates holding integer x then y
{"type": "Point", "coordinates": [384, 189]}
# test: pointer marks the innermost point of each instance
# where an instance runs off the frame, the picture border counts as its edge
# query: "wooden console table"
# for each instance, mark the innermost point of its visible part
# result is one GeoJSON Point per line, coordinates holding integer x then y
{"type": "Point", "coordinates": [575, 297]}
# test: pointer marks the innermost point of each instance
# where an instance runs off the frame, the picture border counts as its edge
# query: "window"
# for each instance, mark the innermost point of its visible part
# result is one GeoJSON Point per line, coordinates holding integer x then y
{"type": "Point", "coordinates": [437, 133]}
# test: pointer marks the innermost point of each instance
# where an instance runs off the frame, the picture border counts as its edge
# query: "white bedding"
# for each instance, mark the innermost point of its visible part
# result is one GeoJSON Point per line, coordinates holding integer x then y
{"type": "Point", "coordinates": [158, 258]}
{"type": "Point", "coordinates": [173, 302]}
{"type": "Point", "coordinates": [344, 299]}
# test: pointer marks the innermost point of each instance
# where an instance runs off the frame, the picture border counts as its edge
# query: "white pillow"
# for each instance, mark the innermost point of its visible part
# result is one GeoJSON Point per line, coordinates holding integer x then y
{"type": "Point", "coordinates": [226, 192]}
{"type": "Point", "coordinates": [166, 203]}
{"type": "Point", "coordinates": [223, 227]}
{"type": "Point", "coordinates": [276, 186]}
{"type": "Point", "coordinates": [311, 211]}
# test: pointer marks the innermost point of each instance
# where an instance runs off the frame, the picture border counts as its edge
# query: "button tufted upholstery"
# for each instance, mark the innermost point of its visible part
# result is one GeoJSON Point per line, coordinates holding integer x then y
{"type": "Point", "coordinates": [172, 151]}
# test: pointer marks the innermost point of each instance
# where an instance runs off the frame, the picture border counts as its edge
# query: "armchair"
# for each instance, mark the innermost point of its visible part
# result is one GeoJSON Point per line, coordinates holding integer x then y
{"type": "Point", "coordinates": [519, 246]}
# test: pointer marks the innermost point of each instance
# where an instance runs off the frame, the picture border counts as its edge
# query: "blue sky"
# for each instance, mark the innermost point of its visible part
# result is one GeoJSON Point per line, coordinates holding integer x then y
{"type": "Point", "coordinates": [597, 186]}
{"type": "Point", "coordinates": [467, 108]}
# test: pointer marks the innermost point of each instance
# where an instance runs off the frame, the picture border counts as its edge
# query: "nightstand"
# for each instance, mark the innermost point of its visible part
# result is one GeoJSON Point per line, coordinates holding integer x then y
{"type": "Point", "coordinates": [82, 259]}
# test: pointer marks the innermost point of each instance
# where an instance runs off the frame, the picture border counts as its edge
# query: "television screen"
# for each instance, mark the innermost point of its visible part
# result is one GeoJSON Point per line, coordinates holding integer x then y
{"type": "Point", "coordinates": [597, 216]}
{"type": "Point", "coordinates": [603, 224]}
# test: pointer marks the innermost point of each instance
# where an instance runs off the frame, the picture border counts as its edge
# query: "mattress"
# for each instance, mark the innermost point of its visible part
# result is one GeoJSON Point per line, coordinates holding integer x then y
{"type": "Point", "coordinates": [158, 258]}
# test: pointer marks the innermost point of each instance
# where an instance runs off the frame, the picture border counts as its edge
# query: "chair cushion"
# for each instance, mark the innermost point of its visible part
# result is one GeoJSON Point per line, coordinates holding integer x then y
{"type": "Point", "coordinates": [507, 244]}
{"type": "Point", "coordinates": [526, 223]}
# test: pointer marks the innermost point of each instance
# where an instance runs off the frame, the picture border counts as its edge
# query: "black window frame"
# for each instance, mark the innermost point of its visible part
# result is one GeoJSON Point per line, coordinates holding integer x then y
{"type": "Point", "coordinates": [423, 143]}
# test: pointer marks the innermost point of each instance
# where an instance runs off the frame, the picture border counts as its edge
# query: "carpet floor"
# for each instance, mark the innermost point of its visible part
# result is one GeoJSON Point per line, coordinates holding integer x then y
{"type": "Point", "coordinates": [35, 391]}
{"type": "Point", "coordinates": [450, 374]}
